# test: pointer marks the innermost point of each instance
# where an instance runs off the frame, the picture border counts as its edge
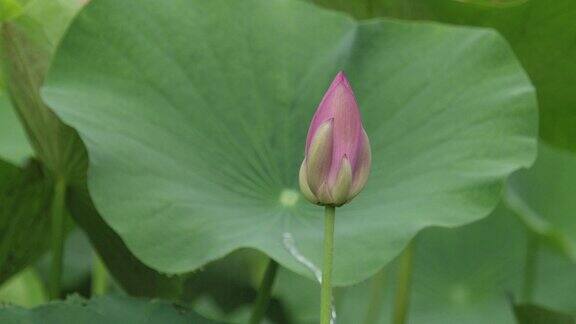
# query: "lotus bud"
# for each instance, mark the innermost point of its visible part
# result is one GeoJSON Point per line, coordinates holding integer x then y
{"type": "Point", "coordinates": [337, 154]}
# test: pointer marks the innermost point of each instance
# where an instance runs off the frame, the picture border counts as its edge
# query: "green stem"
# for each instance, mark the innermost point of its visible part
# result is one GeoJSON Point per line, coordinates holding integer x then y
{"type": "Point", "coordinates": [404, 280]}
{"type": "Point", "coordinates": [326, 292]}
{"type": "Point", "coordinates": [99, 277]}
{"type": "Point", "coordinates": [264, 292]}
{"type": "Point", "coordinates": [376, 298]}
{"type": "Point", "coordinates": [530, 266]}
{"type": "Point", "coordinates": [57, 239]}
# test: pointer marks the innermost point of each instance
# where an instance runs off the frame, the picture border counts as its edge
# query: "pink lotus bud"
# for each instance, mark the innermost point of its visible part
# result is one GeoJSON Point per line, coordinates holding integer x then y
{"type": "Point", "coordinates": [337, 156]}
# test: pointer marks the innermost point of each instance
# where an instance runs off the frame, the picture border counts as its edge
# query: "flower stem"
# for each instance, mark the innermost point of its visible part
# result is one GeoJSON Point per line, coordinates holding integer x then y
{"type": "Point", "coordinates": [530, 266]}
{"type": "Point", "coordinates": [99, 277]}
{"type": "Point", "coordinates": [57, 239]}
{"type": "Point", "coordinates": [326, 292]}
{"type": "Point", "coordinates": [264, 292]}
{"type": "Point", "coordinates": [404, 280]}
{"type": "Point", "coordinates": [376, 298]}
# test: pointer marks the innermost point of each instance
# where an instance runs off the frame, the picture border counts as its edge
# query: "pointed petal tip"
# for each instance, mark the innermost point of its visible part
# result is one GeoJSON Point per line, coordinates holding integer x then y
{"type": "Point", "coordinates": [341, 79]}
{"type": "Point", "coordinates": [341, 83]}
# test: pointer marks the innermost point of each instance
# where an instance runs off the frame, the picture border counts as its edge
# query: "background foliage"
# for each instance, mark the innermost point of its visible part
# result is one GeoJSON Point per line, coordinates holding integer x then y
{"type": "Point", "coordinates": [178, 129]}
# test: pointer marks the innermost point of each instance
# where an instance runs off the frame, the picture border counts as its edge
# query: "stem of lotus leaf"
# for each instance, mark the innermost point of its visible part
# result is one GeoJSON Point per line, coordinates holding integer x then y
{"type": "Point", "coordinates": [530, 265]}
{"type": "Point", "coordinates": [326, 289]}
{"type": "Point", "coordinates": [404, 281]}
{"type": "Point", "coordinates": [264, 292]}
{"type": "Point", "coordinates": [99, 276]}
{"type": "Point", "coordinates": [57, 238]}
{"type": "Point", "coordinates": [377, 286]}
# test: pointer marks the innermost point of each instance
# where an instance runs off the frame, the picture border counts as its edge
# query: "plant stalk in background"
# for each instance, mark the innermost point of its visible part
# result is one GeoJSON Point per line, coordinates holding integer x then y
{"type": "Point", "coordinates": [530, 266]}
{"type": "Point", "coordinates": [377, 287]}
{"type": "Point", "coordinates": [404, 281]}
{"type": "Point", "coordinates": [99, 276]}
{"type": "Point", "coordinates": [264, 292]}
{"type": "Point", "coordinates": [57, 239]}
{"type": "Point", "coordinates": [335, 168]}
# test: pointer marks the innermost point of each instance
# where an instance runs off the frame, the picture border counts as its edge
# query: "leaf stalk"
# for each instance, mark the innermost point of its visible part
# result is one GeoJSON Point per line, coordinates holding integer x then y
{"type": "Point", "coordinates": [377, 286]}
{"type": "Point", "coordinates": [530, 266]}
{"type": "Point", "coordinates": [99, 283]}
{"type": "Point", "coordinates": [57, 238]}
{"type": "Point", "coordinates": [264, 292]}
{"type": "Point", "coordinates": [404, 282]}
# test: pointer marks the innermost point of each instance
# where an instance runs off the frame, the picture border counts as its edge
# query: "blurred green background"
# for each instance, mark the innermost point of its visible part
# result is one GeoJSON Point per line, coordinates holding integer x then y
{"type": "Point", "coordinates": [176, 127]}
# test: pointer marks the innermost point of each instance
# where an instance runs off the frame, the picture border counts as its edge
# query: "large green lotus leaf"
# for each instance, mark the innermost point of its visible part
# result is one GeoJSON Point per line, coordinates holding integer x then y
{"type": "Point", "coordinates": [195, 114]}
{"type": "Point", "coordinates": [541, 33]}
{"type": "Point", "coordinates": [543, 196]}
{"type": "Point", "coordinates": [14, 145]}
{"type": "Point", "coordinates": [106, 309]}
